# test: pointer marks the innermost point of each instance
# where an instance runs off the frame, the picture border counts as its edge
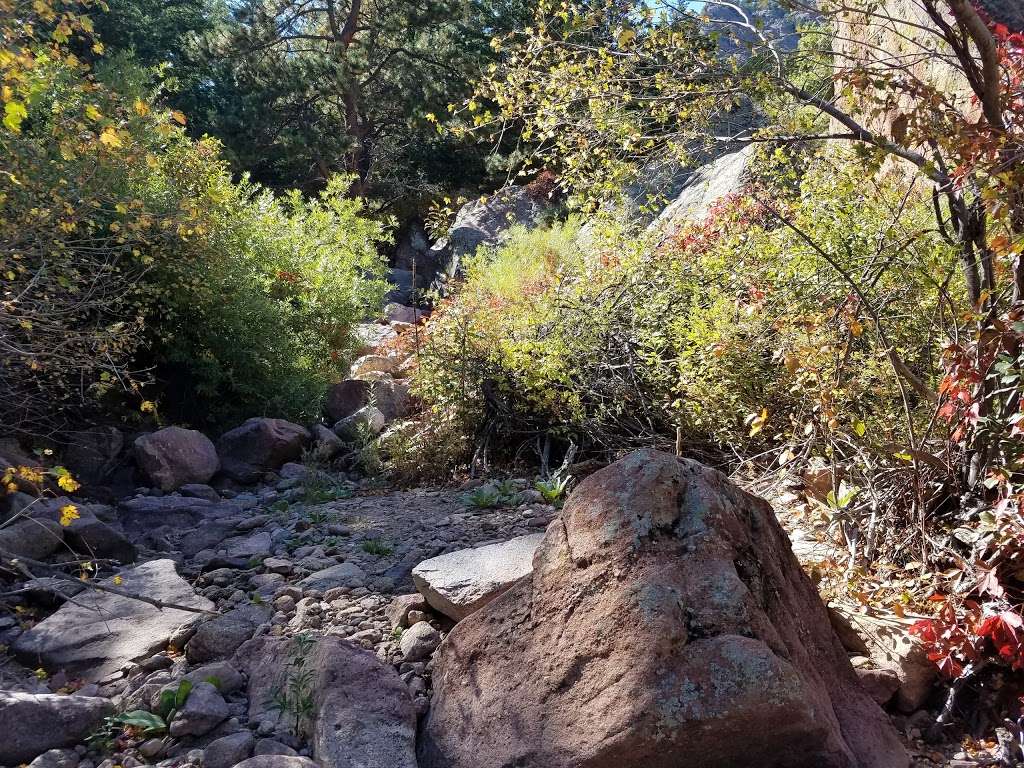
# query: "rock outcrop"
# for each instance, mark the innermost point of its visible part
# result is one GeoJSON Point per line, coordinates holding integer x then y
{"type": "Point", "coordinates": [172, 457]}
{"type": "Point", "coordinates": [259, 446]}
{"type": "Point", "coordinates": [459, 583]}
{"type": "Point", "coordinates": [100, 632]}
{"type": "Point", "coordinates": [666, 623]}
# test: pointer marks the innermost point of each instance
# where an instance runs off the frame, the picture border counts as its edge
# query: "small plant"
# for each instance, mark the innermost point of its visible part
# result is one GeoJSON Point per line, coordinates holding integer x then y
{"type": "Point", "coordinates": [139, 722]}
{"type": "Point", "coordinates": [377, 548]}
{"type": "Point", "coordinates": [319, 487]}
{"type": "Point", "coordinates": [553, 490]}
{"type": "Point", "coordinates": [295, 697]}
{"type": "Point", "coordinates": [484, 497]}
{"type": "Point", "coordinates": [396, 633]}
{"type": "Point", "coordinates": [279, 507]}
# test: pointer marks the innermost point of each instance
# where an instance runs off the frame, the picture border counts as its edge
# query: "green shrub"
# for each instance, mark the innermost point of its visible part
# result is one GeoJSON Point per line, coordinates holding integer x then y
{"type": "Point", "coordinates": [741, 334]}
{"type": "Point", "coordinates": [126, 250]}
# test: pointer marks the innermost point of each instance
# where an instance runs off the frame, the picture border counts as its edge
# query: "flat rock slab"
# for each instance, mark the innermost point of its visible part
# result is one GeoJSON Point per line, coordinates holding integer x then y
{"type": "Point", "coordinates": [459, 583]}
{"type": "Point", "coordinates": [101, 632]}
{"type": "Point", "coordinates": [31, 724]}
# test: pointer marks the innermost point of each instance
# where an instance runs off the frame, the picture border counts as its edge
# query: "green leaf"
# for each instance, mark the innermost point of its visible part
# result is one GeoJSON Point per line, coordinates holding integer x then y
{"type": "Point", "coordinates": [14, 114]}
{"type": "Point", "coordinates": [140, 718]}
{"type": "Point", "coordinates": [184, 689]}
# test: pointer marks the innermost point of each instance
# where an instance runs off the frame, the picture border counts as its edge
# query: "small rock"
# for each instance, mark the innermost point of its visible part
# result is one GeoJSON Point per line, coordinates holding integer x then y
{"type": "Point", "coordinates": [881, 684]}
{"type": "Point", "coordinates": [398, 611]}
{"type": "Point", "coordinates": [151, 748]}
{"type": "Point", "coordinates": [229, 750]}
{"type": "Point", "coordinates": [277, 761]}
{"type": "Point", "coordinates": [341, 575]}
{"type": "Point", "coordinates": [199, 491]}
{"type": "Point", "coordinates": [419, 641]}
{"type": "Point", "coordinates": [204, 710]}
{"type": "Point", "coordinates": [272, 747]}
{"type": "Point", "coordinates": [56, 758]}
{"type": "Point", "coordinates": [220, 637]}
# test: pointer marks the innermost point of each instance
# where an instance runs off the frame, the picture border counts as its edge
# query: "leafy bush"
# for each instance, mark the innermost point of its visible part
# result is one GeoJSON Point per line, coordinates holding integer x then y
{"type": "Point", "coordinates": [126, 249]}
{"type": "Point", "coordinates": [800, 322]}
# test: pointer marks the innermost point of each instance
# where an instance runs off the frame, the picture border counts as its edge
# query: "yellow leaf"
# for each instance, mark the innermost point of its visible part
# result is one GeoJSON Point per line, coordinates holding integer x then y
{"type": "Point", "coordinates": [97, 48]}
{"type": "Point", "coordinates": [68, 514]}
{"type": "Point", "coordinates": [758, 421]}
{"type": "Point", "coordinates": [92, 113]}
{"type": "Point", "coordinates": [141, 108]}
{"type": "Point", "coordinates": [117, 580]}
{"type": "Point", "coordinates": [856, 328]}
{"type": "Point", "coordinates": [14, 114]}
{"type": "Point", "coordinates": [110, 138]}
{"type": "Point", "coordinates": [178, 117]}
{"type": "Point", "coordinates": [626, 37]}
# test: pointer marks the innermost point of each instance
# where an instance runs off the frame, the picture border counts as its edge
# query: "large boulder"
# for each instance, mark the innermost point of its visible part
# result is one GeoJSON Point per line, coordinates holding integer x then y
{"type": "Point", "coordinates": [100, 632]}
{"type": "Point", "coordinates": [460, 583]}
{"type": "Point", "coordinates": [345, 398]}
{"type": "Point", "coordinates": [666, 623]}
{"type": "Point", "coordinates": [31, 724]}
{"type": "Point", "coordinates": [703, 187]}
{"type": "Point", "coordinates": [172, 457]}
{"type": "Point", "coordinates": [259, 446]}
{"type": "Point", "coordinates": [361, 713]}
{"type": "Point", "coordinates": [487, 221]}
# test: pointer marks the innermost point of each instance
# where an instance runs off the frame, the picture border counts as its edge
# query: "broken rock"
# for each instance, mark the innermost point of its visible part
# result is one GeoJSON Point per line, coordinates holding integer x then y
{"type": "Point", "coordinates": [459, 583]}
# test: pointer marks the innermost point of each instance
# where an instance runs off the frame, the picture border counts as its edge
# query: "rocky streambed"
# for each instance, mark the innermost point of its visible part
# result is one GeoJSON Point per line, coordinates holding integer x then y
{"type": "Point", "coordinates": [313, 619]}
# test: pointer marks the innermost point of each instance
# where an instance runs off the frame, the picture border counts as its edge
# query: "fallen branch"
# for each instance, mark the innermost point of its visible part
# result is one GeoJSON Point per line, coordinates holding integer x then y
{"type": "Point", "coordinates": [21, 565]}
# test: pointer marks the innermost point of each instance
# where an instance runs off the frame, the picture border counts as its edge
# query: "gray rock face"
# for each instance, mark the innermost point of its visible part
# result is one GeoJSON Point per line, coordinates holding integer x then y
{"type": "Point", "coordinates": [56, 758]}
{"type": "Point", "coordinates": [258, 446]}
{"type": "Point", "coordinates": [419, 641]}
{"type": "Point", "coordinates": [32, 724]}
{"type": "Point", "coordinates": [362, 714]}
{"type": "Point", "coordinates": [220, 637]}
{"type": "Point", "coordinates": [400, 313]}
{"type": "Point", "coordinates": [487, 221]}
{"type": "Point", "coordinates": [229, 750]}
{"type": "Point", "coordinates": [203, 710]}
{"type": "Point", "coordinates": [459, 583]}
{"type": "Point", "coordinates": [704, 187]}
{"type": "Point", "coordinates": [173, 457]}
{"type": "Point", "coordinates": [341, 575]}
{"type": "Point", "coordinates": [101, 632]}
{"type": "Point", "coordinates": [32, 538]}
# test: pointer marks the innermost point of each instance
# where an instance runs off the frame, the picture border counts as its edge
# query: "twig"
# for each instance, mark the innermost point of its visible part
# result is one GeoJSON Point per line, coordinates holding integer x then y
{"type": "Point", "coordinates": [20, 564]}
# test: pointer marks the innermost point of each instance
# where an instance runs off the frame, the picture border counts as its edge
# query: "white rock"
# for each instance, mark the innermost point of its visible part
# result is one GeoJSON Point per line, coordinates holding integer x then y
{"type": "Point", "coordinates": [459, 583]}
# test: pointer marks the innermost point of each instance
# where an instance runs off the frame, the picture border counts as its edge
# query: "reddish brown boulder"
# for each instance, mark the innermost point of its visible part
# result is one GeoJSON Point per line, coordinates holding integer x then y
{"type": "Point", "coordinates": [172, 457]}
{"type": "Point", "coordinates": [345, 398]}
{"type": "Point", "coordinates": [260, 445]}
{"type": "Point", "coordinates": [666, 623]}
